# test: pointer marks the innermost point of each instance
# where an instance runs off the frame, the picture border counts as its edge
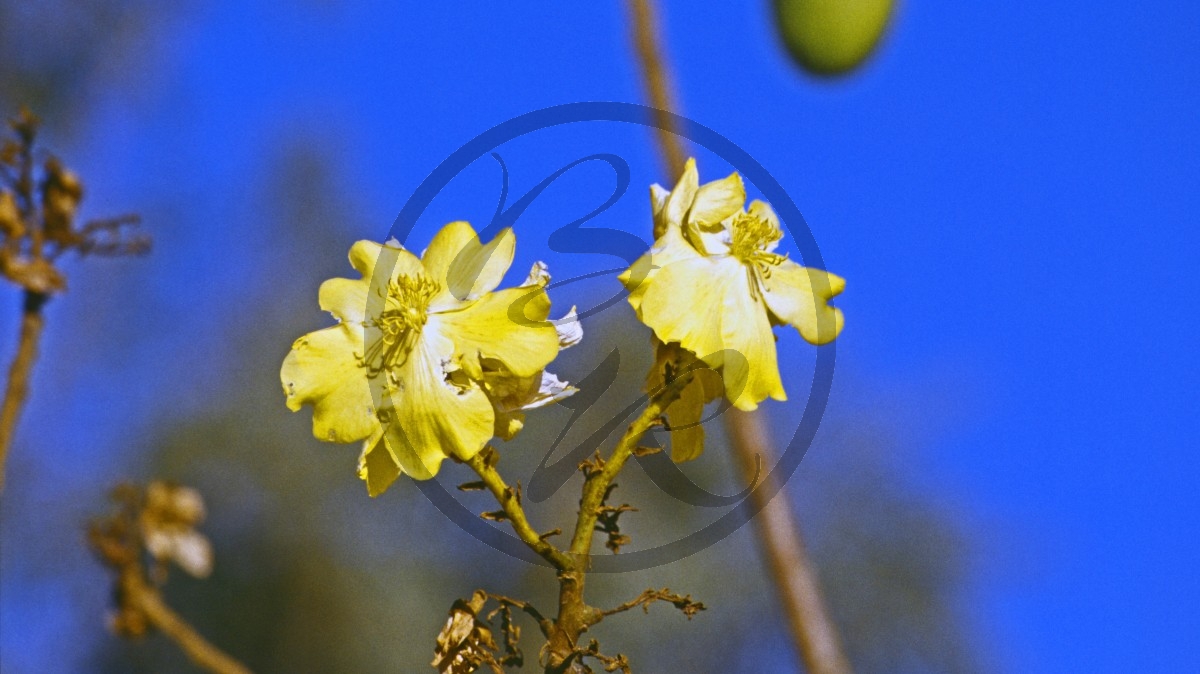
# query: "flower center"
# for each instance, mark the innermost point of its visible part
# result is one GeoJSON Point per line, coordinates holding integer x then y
{"type": "Point", "coordinates": [392, 334]}
{"type": "Point", "coordinates": [751, 236]}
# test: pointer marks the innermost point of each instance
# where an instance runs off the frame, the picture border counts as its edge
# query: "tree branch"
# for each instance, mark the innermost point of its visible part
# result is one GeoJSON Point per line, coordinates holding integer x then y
{"type": "Point", "coordinates": [657, 80]}
{"type": "Point", "coordinates": [141, 596]}
{"type": "Point", "coordinates": [484, 465]}
{"type": "Point", "coordinates": [646, 598]}
{"type": "Point", "coordinates": [597, 481]}
{"type": "Point", "coordinates": [32, 322]}
{"type": "Point", "coordinates": [792, 572]}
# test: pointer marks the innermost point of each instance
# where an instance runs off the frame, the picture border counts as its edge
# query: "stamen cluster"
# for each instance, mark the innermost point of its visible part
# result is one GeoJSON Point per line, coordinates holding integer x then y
{"type": "Point", "coordinates": [405, 313]}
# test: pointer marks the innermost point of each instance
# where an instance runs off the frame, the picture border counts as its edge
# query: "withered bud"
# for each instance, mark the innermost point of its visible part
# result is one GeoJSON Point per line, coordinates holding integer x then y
{"type": "Point", "coordinates": [25, 124]}
{"type": "Point", "coordinates": [465, 643]}
{"type": "Point", "coordinates": [167, 520]}
{"type": "Point", "coordinates": [174, 504]}
{"type": "Point", "coordinates": [11, 225]}
{"type": "Point", "coordinates": [61, 194]}
{"type": "Point", "coordinates": [10, 153]}
{"type": "Point", "coordinates": [36, 275]}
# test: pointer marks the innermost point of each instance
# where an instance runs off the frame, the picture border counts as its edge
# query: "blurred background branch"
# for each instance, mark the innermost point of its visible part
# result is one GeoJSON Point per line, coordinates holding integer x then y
{"type": "Point", "coordinates": [157, 522]}
{"type": "Point", "coordinates": [17, 389]}
{"type": "Point", "coordinates": [38, 208]}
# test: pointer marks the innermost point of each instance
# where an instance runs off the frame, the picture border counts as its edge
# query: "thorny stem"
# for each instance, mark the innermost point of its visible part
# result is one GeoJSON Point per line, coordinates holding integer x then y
{"type": "Point", "coordinates": [32, 322]}
{"type": "Point", "coordinates": [658, 83]}
{"type": "Point", "coordinates": [813, 631]}
{"type": "Point", "coordinates": [510, 502]}
{"type": "Point", "coordinates": [575, 616]}
{"type": "Point", "coordinates": [596, 483]}
{"type": "Point", "coordinates": [144, 597]}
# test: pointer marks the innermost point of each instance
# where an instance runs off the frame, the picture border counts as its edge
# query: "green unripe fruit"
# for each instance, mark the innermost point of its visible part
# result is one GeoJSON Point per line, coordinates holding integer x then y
{"type": "Point", "coordinates": [831, 37]}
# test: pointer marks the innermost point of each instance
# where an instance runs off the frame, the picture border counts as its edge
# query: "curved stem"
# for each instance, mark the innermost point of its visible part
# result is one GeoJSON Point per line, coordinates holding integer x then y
{"type": "Point", "coordinates": [32, 323]}
{"type": "Point", "coordinates": [510, 502]}
{"type": "Point", "coordinates": [147, 599]}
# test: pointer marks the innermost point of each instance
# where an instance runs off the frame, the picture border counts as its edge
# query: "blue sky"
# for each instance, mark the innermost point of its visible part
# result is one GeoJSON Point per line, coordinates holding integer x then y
{"type": "Point", "coordinates": [1010, 190]}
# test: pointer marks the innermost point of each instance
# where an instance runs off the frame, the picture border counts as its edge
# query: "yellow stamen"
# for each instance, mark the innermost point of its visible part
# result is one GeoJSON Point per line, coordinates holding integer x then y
{"type": "Point", "coordinates": [398, 325]}
{"type": "Point", "coordinates": [751, 236]}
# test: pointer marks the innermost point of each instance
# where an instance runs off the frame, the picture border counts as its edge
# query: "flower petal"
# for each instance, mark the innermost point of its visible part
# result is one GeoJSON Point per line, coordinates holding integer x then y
{"type": "Point", "coordinates": [464, 267]}
{"type": "Point", "coordinates": [376, 466]}
{"type": "Point", "coordinates": [658, 206]}
{"type": "Point", "coordinates": [365, 256]}
{"type": "Point", "coordinates": [680, 201]}
{"type": "Point", "coordinates": [509, 326]}
{"type": "Point", "coordinates": [706, 305]}
{"type": "Point", "coordinates": [569, 329]}
{"type": "Point", "coordinates": [511, 396]}
{"type": "Point", "coordinates": [323, 370]}
{"type": "Point", "coordinates": [684, 415]}
{"type": "Point", "coordinates": [670, 248]}
{"type": "Point", "coordinates": [799, 296]}
{"type": "Point", "coordinates": [193, 553]}
{"type": "Point", "coordinates": [539, 275]}
{"type": "Point", "coordinates": [433, 414]}
{"type": "Point", "coordinates": [508, 424]}
{"type": "Point", "coordinates": [750, 368]}
{"type": "Point", "coordinates": [658, 199]}
{"type": "Point", "coordinates": [345, 298]}
{"type": "Point", "coordinates": [716, 201]}
{"type": "Point", "coordinates": [685, 301]}
{"type": "Point", "coordinates": [549, 390]}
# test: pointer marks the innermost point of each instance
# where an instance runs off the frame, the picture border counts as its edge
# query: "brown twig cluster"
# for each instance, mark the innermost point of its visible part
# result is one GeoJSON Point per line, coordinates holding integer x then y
{"type": "Point", "coordinates": [465, 644]}
{"type": "Point", "coordinates": [39, 201]}
{"type": "Point", "coordinates": [148, 529]}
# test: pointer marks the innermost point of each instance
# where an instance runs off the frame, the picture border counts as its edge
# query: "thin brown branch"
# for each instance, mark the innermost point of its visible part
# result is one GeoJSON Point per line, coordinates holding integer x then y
{"type": "Point", "coordinates": [657, 80]}
{"type": "Point", "coordinates": [484, 466]}
{"type": "Point", "coordinates": [597, 480]}
{"type": "Point", "coordinates": [141, 596]}
{"type": "Point", "coordinates": [544, 623]}
{"type": "Point", "coordinates": [813, 631]}
{"type": "Point", "coordinates": [119, 542]}
{"type": "Point", "coordinates": [779, 539]}
{"type": "Point", "coordinates": [646, 598]}
{"type": "Point", "coordinates": [17, 390]}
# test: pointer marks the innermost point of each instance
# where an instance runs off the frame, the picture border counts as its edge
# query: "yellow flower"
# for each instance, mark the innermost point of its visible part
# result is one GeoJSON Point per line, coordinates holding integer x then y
{"type": "Point", "coordinates": [428, 359]}
{"type": "Point", "coordinates": [714, 284]}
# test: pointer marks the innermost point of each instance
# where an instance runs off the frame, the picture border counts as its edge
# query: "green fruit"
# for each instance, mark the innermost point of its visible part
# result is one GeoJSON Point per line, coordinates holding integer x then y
{"type": "Point", "coordinates": [831, 37]}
